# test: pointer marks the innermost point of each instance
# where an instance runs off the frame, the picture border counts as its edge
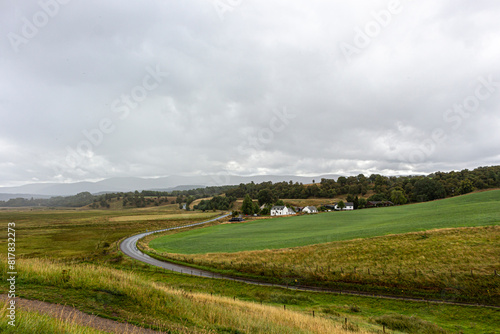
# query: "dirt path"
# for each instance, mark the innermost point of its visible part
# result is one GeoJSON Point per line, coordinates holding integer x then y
{"type": "Point", "coordinates": [74, 315]}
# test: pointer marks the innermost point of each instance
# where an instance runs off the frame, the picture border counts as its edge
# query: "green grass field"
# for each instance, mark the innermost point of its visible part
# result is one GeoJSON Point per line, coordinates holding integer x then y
{"type": "Point", "coordinates": [478, 209]}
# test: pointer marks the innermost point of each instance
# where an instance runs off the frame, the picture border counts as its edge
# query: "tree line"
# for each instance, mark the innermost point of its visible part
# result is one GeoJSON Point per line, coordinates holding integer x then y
{"type": "Point", "coordinates": [398, 189]}
{"type": "Point", "coordinates": [79, 200]}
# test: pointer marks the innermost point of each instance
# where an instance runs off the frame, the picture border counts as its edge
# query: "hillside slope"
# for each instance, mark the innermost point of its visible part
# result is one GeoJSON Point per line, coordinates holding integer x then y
{"type": "Point", "coordinates": [478, 209]}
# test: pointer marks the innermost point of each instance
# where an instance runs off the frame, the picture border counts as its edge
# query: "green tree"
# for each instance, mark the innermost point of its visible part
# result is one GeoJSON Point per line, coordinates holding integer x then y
{"type": "Point", "coordinates": [341, 205]}
{"type": "Point", "coordinates": [256, 207]}
{"type": "Point", "coordinates": [247, 207]}
{"type": "Point", "coordinates": [427, 189]}
{"type": "Point", "coordinates": [265, 196]}
{"type": "Point", "coordinates": [398, 197]}
{"type": "Point", "coordinates": [466, 186]}
{"type": "Point", "coordinates": [361, 203]}
{"type": "Point", "coordinates": [377, 197]}
{"type": "Point", "coordinates": [279, 203]}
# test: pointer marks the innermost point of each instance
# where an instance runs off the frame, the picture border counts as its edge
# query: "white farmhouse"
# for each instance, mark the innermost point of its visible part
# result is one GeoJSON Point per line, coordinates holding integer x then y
{"type": "Point", "coordinates": [310, 209]}
{"type": "Point", "coordinates": [348, 206]}
{"type": "Point", "coordinates": [281, 211]}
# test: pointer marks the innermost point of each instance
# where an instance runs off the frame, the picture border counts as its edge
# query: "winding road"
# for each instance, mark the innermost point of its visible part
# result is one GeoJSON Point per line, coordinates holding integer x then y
{"type": "Point", "coordinates": [129, 248]}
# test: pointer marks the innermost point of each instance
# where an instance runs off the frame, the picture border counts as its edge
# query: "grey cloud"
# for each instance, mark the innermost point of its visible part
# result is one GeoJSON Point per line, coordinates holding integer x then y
{"type": "Point", "coordinates": [227, 78]}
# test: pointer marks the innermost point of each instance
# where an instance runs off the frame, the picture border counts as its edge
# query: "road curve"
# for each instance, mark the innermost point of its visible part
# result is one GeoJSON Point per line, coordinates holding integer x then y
{"type": "Point", "coordinates": [129, 248]}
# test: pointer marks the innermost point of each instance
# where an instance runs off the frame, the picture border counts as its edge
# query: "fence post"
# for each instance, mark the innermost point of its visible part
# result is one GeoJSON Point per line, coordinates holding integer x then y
{"type": "Point", "coordinates": [313, 313]}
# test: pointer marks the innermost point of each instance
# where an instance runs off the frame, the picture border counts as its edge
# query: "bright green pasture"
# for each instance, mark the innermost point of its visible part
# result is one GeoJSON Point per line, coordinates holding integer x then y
{"type": "Point", "coordinates": [478, 209]}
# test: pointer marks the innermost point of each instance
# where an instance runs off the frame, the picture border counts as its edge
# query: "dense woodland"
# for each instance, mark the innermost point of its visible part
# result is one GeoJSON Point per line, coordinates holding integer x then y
{"type": "Point", "coordinates": [398, 189]}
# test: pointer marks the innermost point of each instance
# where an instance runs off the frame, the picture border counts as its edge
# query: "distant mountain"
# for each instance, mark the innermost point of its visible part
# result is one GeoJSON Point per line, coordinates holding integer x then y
{"type": "Point", "coordinates": [125, 184]}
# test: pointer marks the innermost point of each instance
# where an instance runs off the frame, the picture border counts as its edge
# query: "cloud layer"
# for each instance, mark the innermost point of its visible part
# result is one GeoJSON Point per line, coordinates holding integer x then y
{"type": "Point", "coordinates": [93, 89]}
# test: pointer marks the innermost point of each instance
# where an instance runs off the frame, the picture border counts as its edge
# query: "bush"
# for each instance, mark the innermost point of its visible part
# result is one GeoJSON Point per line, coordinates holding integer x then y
{"type": "Point", "coordinates": [354, 308]}
{"type": "Point", "coordinates": [279, 298]}
{"type": "Point", "coordinates": [409, 325]}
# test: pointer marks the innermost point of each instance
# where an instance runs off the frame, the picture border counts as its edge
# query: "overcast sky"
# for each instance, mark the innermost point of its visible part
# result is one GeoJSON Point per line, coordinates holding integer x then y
{"type": "Point", "coordinates": [97, 89]}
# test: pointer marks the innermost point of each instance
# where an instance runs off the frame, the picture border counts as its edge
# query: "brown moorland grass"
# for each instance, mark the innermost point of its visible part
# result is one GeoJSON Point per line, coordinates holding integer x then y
{"type": "Point", "coordinates": [195, 215]}
{"type": "Point", "coordinates": [85, 233]}
{"type": "Point", "coordinates": [459, 263]}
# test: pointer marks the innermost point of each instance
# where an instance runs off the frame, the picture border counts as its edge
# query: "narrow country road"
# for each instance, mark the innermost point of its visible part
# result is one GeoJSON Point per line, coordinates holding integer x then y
{"type": "Point", "coordinates": [129, 248]}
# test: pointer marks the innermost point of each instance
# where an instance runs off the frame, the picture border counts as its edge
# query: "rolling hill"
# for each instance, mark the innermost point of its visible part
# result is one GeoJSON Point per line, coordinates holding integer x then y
{"type": "Point", "coordinates": [477, 209]}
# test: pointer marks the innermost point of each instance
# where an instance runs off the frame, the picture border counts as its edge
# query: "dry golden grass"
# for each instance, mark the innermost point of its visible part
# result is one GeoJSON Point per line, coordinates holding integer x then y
{"type": "Point", "coordinates": [162, 305]}
{"type": "Point", "coordinates": [164, 217]}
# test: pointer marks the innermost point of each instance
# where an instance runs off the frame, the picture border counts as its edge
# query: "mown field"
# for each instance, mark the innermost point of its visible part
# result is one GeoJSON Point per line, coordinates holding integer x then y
{"type": "Point", "coordinates": [478, 209]}
{"type": "Point", "coordinates": [72, 257]}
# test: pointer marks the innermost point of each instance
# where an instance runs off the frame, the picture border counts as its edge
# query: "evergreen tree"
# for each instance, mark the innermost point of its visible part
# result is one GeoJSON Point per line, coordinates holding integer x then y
{"type": "Point", "coordinates": [247, 207]}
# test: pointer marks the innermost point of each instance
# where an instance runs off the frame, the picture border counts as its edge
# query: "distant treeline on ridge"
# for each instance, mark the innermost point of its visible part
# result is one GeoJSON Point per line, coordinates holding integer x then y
{"type": "Point", "coordinates": [398, 189]}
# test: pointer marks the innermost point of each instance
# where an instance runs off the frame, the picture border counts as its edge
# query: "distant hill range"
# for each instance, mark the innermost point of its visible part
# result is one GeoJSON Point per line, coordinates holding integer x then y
{"type": "Point", "coordinates": [126, 184]}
